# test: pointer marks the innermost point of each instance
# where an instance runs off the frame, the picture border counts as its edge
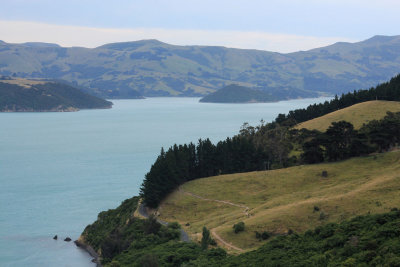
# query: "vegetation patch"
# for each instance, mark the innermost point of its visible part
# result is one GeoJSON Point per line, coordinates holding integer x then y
{"type": "Point", "coordinates": [291, 198]}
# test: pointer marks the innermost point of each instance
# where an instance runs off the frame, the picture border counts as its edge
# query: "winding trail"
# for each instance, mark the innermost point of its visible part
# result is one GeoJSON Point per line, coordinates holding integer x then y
{"type": "Point", "coordinates": [246, 212]}
{"type": "Point", "coordinates": [224, 242]}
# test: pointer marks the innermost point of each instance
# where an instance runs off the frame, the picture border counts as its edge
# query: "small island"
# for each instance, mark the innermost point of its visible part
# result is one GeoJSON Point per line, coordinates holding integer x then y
{"type": "Point", "coordinates": [238, 94]}
{"type": "Point", "coordinates": [31, 95]}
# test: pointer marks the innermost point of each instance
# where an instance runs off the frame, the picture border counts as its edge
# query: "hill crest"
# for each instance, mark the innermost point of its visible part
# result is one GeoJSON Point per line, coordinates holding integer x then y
{"type": "Point", "coordinates": [25, 95]}
{"type": "Point", "coordinates": [153, 68]}
{"type": "Point", "coordinates": [357, 114]}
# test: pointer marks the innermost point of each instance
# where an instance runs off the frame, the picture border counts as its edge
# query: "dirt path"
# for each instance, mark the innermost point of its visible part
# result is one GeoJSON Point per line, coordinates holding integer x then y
{"type": "Point", "coordinates": [246, 212]}
{"type": "Point", "coordinates": [224, 242]}
{"type": "Point", "coordinates": [364, 187]}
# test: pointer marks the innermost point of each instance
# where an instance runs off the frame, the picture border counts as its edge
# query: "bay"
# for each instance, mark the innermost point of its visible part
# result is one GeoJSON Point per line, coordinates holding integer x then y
{"type": "Point", "coordinates": [59, 170]}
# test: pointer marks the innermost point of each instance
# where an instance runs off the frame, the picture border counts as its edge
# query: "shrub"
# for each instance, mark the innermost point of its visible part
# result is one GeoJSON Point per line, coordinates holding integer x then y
{"type": "Point", "coordinates": [239, 227]}
{"type": "Point", "coordinates": [174, 225]}
{"type": "Point", "coordinates": [263, 236]}
{"type": "Point", "coordinates": [322, 216]}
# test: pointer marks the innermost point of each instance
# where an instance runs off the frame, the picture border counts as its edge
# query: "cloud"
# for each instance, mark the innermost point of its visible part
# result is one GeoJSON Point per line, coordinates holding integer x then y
{"type": "Point", "coordinates": [22, 31]}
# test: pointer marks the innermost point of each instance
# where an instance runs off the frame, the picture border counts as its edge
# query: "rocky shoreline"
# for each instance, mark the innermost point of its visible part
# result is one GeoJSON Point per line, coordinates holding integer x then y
{"type": "Point", "coordinates": [82, 245]}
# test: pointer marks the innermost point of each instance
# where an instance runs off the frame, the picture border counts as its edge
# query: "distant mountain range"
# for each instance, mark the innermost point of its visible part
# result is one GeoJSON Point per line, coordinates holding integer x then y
{"type": "Point", "coordinates": [153, 68]}
{"type": "Point", "coordinates": [18, 94]}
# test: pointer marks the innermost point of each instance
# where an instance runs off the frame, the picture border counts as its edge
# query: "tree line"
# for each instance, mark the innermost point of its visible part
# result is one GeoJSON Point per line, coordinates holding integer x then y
{"type": "Point", "coordinates": [386, 91]}
{"type": "Point", "coordinates": [269, 145]}
{"type": "Point", "coordinates": [182, 163]}
{"type": "Point", "coordinates": [342, 141]}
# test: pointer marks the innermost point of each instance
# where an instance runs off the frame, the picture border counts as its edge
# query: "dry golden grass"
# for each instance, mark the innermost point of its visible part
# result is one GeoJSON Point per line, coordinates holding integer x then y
{"type": "Point", "coordinates": [24, 82]}
{"type": "Point", "coordinates": [284, 199]}
{"type": "Point", "coordinates": [357, 114]}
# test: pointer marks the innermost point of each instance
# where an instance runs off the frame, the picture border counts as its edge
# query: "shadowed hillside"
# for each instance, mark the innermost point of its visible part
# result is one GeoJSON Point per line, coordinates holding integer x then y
{"type": "Point", "coordinates": [42, 95]}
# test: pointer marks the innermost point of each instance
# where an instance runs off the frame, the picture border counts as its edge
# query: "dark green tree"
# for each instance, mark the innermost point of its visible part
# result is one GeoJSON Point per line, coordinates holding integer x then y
{"type": "Point", "coordinates": [338, 140]}
{"type": "Point", "coordinates": [205, 240]}
{"type": "Point", "coordinates": [312, 151]}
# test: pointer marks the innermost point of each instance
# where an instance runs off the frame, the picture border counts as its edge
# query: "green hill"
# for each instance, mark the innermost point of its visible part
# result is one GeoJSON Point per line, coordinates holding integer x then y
{"type": "Point", "coordinates": [121, 239]}
{"type": "Point", "coordinates": [297, 198]}
{"type": "Point", "coordinates": [325, 214]}
{"type": "Point", "coordinates": [153, 68]}
{"type": "Point", "coordinates": [18, 94]}
{"type": "Point", "coordinates": [238, 94]}
{"type": "Point", "coordinates": [357, 115]}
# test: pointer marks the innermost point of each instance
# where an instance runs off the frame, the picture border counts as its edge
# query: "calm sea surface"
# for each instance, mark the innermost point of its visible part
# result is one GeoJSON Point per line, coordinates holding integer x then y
{"type": "Point", "coordinates": [59, 170]}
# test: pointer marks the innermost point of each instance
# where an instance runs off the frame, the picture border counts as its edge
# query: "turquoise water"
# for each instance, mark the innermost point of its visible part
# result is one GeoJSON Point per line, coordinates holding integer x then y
{"type": "Point", "coordinates": [59, 170]}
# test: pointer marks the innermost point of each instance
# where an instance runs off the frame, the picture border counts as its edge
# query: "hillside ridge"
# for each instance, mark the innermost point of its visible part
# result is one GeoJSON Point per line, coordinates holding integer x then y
{"type": "Point", "coordinates": [357, 114]}
{"type": "Point", "coordinates": [27, 95]}
{"type": "Point", "coordinates": [153, 68]}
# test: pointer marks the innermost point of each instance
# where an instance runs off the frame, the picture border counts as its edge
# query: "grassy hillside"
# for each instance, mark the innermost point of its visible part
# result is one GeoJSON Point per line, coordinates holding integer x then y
{"type": "Point", "coordinates": [42, 95]}
{"type": "Point", "coordinates": [296, 198]}
{"type": "Point", "coordinates": [357, 115]}
{"type": "Point", "coordinates": [153, 68]}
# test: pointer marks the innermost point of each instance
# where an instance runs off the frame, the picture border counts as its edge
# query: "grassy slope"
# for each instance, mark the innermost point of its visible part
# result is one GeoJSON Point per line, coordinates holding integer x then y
{"type": "Point", "coordinates": [357, 114]}
{"type": "Point", "coordinates": [284, 199]}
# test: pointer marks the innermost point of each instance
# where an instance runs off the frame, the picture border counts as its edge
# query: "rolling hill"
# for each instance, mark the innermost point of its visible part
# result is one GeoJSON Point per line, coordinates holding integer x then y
{"type": "Point", "coordinates": [357, 115]}
{"type": "Point", "coordinates": [153, 68]}
{"type": "Point", "coordinates": [18, 94]}
{"type": "Point", "coordinates": [238, 94]}
{"type": "Point", "coordinates": [297, 198]}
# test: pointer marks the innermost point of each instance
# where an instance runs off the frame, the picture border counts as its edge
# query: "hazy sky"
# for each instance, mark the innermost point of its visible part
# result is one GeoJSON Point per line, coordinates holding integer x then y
{"type": "Point", "coordinates": [276, 25]}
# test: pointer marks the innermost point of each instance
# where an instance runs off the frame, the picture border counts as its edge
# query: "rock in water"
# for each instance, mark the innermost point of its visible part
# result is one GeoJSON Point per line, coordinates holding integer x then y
{"type": "Point", "coordinates": [55, 237]}
{"type": "Point", "coordinates": [67, 239]}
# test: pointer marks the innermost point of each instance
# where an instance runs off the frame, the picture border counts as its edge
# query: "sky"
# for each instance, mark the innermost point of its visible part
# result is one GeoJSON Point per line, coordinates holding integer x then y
{"type": "Point", "coordinates": [273, 25]}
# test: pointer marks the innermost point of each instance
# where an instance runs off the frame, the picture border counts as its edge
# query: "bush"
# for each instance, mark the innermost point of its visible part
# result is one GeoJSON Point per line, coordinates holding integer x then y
{"type": "Point", "coordinates": [174, 225]}
{"type": "Point", "coordinates": [263, 236]}
{"type": "Point", "coordinates": [322, 216]}
{"type": "Point", "coordinates": [239, 227]}
{"type": "Point", "coordinates": [212, 242]}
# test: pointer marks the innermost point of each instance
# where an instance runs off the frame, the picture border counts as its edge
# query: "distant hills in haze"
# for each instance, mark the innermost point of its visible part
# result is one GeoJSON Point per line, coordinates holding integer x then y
{"type": "Point", "coordinates": [153, 68]}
